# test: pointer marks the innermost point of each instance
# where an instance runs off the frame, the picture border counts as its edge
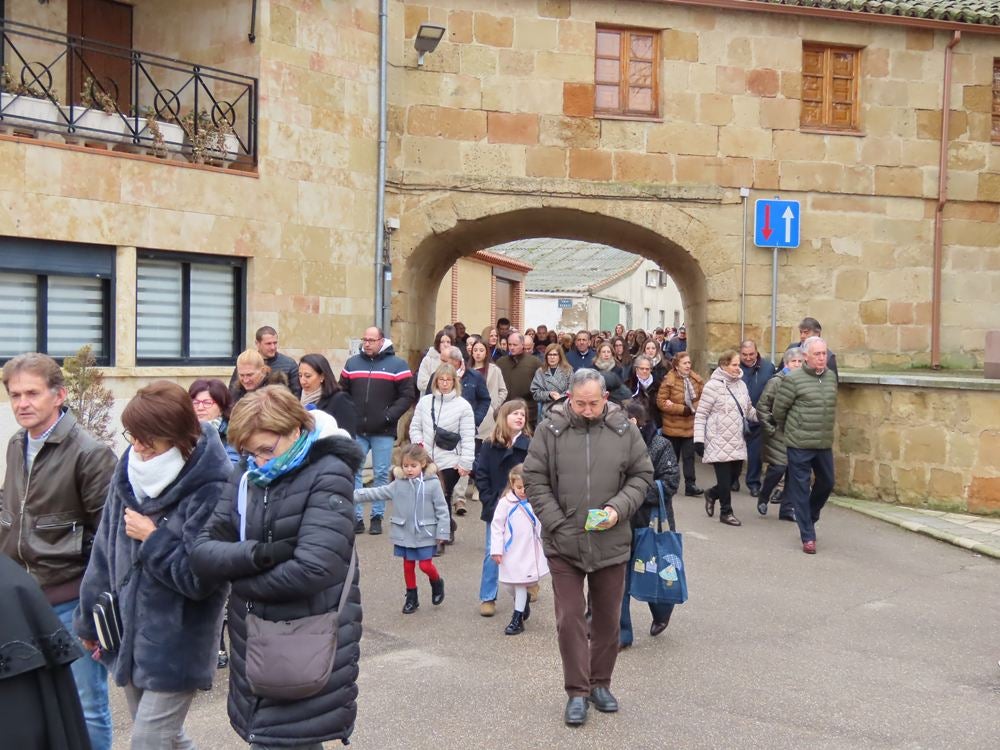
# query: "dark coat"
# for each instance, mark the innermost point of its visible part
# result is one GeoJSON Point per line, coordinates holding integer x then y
{"type": "Point", "coordinates": [279, 363]}
{"type": "Point", "coordinates": [474, 391]}
{"type": "Point", "coordinates": [491, 469]}
{"type": "Point", "coordinates": [39, 705]}
{"type": "Point", "coordinates": [382, 388]}
{"type": "Point", "coordinates": [757, 377]}
{"type": "Point", "coordinates": [666, 470]}
{"type": "Point", "coordinates": [170, 616]}
{"type": "Point", "coordinates": [675, 346]}
{"type": "Point", "coordinates": [578, 361]}
{"type": "Point", "coordinates": [617, 390]}
{"type": "Point", "coordinates": [647, 397]}
{"type": "Point", "coordinates": [518, 374]}
{"type": "Point", "coordinates": [341, 407]}
{"type": "Point", "coordinates": [313, 505]}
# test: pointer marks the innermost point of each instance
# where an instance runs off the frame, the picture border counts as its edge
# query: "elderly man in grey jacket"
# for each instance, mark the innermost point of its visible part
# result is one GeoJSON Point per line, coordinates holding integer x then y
{"type": "Point", "coordinates": [587, 456]}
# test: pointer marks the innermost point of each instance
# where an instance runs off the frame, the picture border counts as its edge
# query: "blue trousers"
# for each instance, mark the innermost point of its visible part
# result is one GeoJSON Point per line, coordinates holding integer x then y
{"type": "Point", "coordinates": [754, 444]}
{"type": "Point", "coordinates": [92, 686]}
{"type": "Point", "coordinates": [660, 612]}
{"type": "Point", "coordinates": [490, 581]}
{"type": "Point", "coordinates": [381, 448]}
{"type": "Point", "coordinates": [802, 464]}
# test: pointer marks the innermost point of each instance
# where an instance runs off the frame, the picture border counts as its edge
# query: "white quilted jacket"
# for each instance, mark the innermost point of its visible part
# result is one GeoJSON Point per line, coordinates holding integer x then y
{"type": "Point", "coordinates": [717, 422]}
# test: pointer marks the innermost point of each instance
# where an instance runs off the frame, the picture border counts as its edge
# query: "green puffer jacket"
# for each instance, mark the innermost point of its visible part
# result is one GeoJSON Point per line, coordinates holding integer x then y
{"type": "Point", "coordinates": [774, 436]}
{"type": "Point", "coordinates": [575, 464]}
{"type": "Point", "coordinates": [806, 408]}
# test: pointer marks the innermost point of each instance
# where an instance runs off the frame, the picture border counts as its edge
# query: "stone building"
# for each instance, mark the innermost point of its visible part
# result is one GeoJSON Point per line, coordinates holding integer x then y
{"type": "Point", "coordinates": [633, 124]}
{"type": "Point", "coordinates": [481, 288]}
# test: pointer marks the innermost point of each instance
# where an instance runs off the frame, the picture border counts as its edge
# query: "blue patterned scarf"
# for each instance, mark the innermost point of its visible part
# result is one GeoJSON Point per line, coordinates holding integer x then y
{"type": "Point", "coordinates": [278, 466]}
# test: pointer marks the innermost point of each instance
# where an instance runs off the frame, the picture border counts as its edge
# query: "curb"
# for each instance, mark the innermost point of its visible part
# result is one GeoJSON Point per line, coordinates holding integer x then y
{"type": "Point", "coordinates": [944, 536]}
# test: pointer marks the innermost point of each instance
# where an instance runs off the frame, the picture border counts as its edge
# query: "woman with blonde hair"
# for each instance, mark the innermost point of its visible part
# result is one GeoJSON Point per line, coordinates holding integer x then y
{"type": "Point", "coordinates": [253, 373]}
{"type": "Point", "coordinates": [506, 448]}
{"type": "Point", "coordinates": [551, 381]}
{"type": "Point", "coordinates": [285, 541]}
{"type": "Point", "coordinates": [443, 422]}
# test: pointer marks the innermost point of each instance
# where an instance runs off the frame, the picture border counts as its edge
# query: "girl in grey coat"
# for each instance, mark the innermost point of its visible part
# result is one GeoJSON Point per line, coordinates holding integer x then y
{"type": "Point", "coordinates": [419, 521]}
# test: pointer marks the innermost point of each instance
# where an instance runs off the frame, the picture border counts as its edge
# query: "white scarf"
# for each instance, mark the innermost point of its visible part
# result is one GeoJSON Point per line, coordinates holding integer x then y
{"type": "Point", "coordinates": [150, 478]}
{"type": "Point", "coordinates": [645, 382]}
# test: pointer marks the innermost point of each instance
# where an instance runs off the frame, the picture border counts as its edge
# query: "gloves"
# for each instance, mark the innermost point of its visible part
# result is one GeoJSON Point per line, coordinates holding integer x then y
{"type": "Point", "coordinates": [687, 411]}
{"type": "Point", "coordinates": [268, 554]}
{"type": "Point", "coordinates": [699, 448]}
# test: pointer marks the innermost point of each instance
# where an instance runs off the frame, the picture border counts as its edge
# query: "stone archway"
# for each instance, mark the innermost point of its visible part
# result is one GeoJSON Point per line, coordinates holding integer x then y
{"type": "Point", "coordinates": [695, 242]}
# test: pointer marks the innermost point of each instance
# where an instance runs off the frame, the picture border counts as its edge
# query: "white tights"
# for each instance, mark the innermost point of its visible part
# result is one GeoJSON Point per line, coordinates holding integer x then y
{"type": "Point", "coordinates": [520, 594]}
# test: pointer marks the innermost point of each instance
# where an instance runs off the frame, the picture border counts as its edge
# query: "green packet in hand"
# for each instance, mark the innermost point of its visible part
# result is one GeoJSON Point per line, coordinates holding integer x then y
{"type": "Point", "coordinates": [595, 517]}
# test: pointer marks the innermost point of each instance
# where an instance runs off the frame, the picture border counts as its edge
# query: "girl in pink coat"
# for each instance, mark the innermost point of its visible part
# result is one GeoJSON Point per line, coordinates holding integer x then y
{"type": "Point", "coordinates": [516, 546]}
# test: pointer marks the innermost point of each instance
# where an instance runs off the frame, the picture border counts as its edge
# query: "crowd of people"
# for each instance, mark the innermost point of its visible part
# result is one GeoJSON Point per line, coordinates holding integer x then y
{"type": "Point", "coordinates": [239, 505]}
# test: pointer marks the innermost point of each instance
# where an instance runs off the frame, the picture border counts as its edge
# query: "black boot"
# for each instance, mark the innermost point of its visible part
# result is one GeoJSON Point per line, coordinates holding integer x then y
{"type": "Point", "coordinates": [437, 591]}
{"type": "Point", "coordinates": [516, 626]}
{"type": "Point", "coordinates": [412, 604]}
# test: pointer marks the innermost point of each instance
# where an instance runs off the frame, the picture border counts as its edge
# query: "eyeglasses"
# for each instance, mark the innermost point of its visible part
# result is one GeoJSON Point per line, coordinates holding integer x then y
{"type": "Point", "coordinates": [371, 341]}
{"type": "Point", "coordinates": [260, 453]}
{"type": "Point", "coordinates": [128, 437]}
{"type": "Point", "coordinates": [203, 403]}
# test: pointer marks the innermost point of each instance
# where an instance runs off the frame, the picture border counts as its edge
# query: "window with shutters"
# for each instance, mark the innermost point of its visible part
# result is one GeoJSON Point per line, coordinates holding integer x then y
{"type": "Point", "coordinates": [996, 99]}
{"type": "Point", "coordinates": [56, 297]}
{"type": "Point", "coordinates": [830, 86]}
{"type": "Point", "coordinates": [626, 72]}
{"type": "Point", "coordinates": [189, 309]}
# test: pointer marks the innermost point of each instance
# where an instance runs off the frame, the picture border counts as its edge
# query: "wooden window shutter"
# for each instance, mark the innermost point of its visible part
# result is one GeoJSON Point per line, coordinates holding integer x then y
{"type": "Point", "coordinates": [830, 85]}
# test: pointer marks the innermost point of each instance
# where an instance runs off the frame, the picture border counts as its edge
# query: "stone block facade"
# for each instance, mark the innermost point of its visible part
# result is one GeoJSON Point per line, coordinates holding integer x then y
{"type": "Point", "coordinates": [920, 444]}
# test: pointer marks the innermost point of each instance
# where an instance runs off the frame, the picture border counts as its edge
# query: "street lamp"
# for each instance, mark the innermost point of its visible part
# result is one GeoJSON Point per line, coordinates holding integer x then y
{"type": "Point", "coordinates": [428, 37]}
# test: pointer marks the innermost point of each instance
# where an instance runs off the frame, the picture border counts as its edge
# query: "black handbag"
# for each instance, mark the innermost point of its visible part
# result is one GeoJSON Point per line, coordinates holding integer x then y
{"type": "Point", "coordinates": [444, 439]}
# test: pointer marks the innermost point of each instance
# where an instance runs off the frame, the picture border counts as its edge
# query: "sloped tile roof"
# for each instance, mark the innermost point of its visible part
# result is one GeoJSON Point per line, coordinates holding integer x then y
{"type": "Point", "coordinates": [961, 11]}
{"type": "Point", "coordinates": [568, 266]}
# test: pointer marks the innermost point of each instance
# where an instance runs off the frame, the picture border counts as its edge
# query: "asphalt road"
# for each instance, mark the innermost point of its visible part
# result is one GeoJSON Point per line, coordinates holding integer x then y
{"type": "Point", "coordinates": [885, 639]}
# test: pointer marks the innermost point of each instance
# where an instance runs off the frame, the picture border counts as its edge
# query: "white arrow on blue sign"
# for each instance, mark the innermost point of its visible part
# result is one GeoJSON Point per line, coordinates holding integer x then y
{"type": "Point", "coordinates": [776, 223]}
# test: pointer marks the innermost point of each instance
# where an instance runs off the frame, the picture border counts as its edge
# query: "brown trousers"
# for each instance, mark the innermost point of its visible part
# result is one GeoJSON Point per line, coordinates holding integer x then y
{"type": "Point", "coordinates": [587, 664]}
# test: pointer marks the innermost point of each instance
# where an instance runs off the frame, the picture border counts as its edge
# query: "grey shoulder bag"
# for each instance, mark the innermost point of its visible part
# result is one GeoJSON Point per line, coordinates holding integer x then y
{"type": "Point", "coordinates": [293, 659]}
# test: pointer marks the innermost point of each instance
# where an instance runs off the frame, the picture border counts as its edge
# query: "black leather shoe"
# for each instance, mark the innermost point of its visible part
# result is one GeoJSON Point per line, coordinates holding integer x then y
{"type": "Point", "coordinates": [375, 526]}
{"type": "Point", "coordinates": [762, 507]}
{"type": "Point", "coordinates": [576, 711]}
{"type": "Point", "coordinates": [603, 700]}
{"type": "Point", "coordinates": [735, 486]}
{"type": "Point", "coordinates": [437, 591]}
{"type": "Point", "coordinates": [729, 519]}
{"type": "Point", "coordinates": [412, 603]}
{"type": "Point", "coordinates": [754, 491]}
{"type": "Point", "coordinates": [657, 627]}
{"type": "Point", "coordinates": [694, 491]}
{"type": "Point", "coordinates": [709, 503]}
{"type": "Point", "coordinates": [359, 526]}
{"type": "Point", "coordinates": [787, 518]}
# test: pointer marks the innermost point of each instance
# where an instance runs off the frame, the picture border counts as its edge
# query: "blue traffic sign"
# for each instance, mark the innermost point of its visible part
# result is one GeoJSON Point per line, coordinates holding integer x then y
{"type": "Point", "coordinates": [777, 223]}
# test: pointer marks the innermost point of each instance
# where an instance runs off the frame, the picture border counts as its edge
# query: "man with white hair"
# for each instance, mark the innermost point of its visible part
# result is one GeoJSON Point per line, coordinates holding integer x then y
{"type": "Point", "coordinates": [805, 408]}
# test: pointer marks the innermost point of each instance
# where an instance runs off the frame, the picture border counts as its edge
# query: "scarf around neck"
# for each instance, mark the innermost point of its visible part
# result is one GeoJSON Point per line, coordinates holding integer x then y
{"type": "Point", "coordinates": [150, 478]}
{"type": "Point", "coordinates": [262, 476]}
{"type": "Point", "coordinates": [688, 392]}
{"type": "Point", "coordinates": [311, 398]}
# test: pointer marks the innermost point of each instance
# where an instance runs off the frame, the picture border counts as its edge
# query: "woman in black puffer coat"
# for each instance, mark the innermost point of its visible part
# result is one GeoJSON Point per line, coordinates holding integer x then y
{"type": "Point", "coordinates": [668, 473]}
{"type": "Point", "coordinates": [289, 562]}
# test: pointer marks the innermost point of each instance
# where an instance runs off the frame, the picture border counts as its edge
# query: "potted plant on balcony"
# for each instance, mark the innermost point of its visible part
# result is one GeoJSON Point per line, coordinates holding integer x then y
{"type": "Point", "coordinates": [25, 108]}
{"type": "Point", "coordinates": [209, 142]}
{"type": "Point", "coordinates": [99, 117]}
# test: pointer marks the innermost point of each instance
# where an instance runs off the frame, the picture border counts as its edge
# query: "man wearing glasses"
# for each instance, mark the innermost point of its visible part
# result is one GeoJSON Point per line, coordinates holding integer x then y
{"type": "Point", "coordinates": [53, 494]}
{"type": "Point", "coordinates": [382, 387]}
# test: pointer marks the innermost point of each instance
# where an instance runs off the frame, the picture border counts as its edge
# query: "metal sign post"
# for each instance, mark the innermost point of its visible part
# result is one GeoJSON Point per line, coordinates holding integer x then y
{"type": "Point", "coordinates": [777, 224]}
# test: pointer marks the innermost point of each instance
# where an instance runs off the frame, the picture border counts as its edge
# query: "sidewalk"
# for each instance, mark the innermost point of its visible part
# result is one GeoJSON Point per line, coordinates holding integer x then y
{"type": "Point", "coordinates": [976, 533]}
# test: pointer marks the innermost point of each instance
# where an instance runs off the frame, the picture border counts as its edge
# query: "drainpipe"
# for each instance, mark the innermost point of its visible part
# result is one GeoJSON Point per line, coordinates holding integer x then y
{"type": "Point", "coordinates": [381, 319]}
{"type": "Point", "coordinates": [942, 199]}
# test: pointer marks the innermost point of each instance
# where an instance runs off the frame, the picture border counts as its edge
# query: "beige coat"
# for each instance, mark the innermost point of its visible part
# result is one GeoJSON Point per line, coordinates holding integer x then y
{"type": "Point", "coordinates": [498, 394]}
{"type": "Point", "coordinates": [718, 423]}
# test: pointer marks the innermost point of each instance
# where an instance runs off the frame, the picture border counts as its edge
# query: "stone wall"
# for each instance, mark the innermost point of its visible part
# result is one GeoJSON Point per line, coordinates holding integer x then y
{"type": "Point", "coordinates": [920, 444]}
{"type": "Point", "coordinates": [505, 106]}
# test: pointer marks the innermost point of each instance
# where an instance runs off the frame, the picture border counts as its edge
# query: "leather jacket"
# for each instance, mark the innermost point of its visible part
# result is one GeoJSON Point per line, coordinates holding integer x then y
{"type": "Point", "coordinates": [48, 518]}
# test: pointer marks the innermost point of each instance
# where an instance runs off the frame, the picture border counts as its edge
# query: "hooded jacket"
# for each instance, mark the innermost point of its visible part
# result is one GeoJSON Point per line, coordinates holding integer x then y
{"type": "Point", "coordinates": [419, 515]}
{"type": "Point", "coordinates": [575, 464]}
{"type": "Point", "coordinates": [806, 407]}
{"type": "Point", "coordinates": [170, 615]}
{"type": "Point", "coordinates": [49, 517]}
{"type": "Point", "coordinates": [718, 422]}
{"type": "Point", "coordinates": [382, 389]}
{"type": "Point", "coordinates": [312, 505]}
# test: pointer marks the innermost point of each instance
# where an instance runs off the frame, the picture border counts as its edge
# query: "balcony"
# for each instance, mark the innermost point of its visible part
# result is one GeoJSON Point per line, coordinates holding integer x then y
{"type": "Point", "coordinates": [67, 88]}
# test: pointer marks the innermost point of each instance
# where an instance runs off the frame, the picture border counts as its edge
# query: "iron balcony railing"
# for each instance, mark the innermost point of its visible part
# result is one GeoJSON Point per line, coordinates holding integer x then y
{"type": "Point", "coordinates": [55, 85]}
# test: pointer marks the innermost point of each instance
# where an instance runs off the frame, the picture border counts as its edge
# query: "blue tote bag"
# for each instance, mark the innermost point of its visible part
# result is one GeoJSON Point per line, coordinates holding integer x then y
{"type": "Point", "coordinates": [657, 569]}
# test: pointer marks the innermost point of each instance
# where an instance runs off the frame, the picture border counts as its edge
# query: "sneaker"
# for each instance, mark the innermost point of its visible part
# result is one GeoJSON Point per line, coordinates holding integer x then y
{"type": "Point", "coordinates": [359, 526]}
{"type": "Point", "coordinates": [375, 526]}
{"type": "Point", "coordinates": [809, 548]}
